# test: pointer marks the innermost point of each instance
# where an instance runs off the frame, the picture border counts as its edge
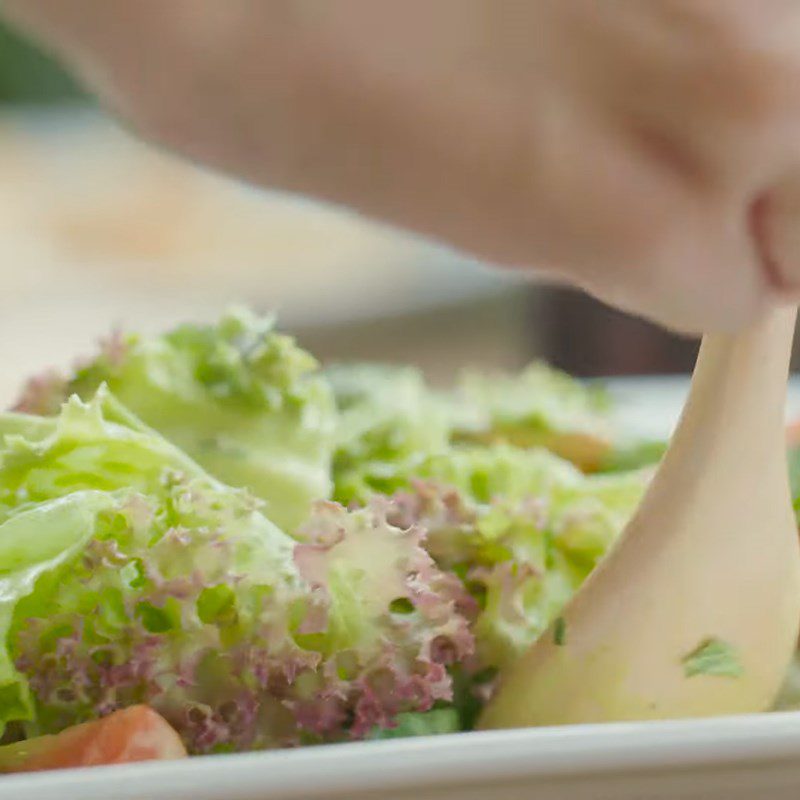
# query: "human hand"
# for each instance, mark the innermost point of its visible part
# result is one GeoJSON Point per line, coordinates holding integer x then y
{"type": "Point", "coordinates": [648, 152]}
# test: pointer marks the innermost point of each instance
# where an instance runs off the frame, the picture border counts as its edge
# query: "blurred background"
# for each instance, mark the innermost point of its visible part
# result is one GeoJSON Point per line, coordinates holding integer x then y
{"type": "Point", "coordinates": [98, 230]}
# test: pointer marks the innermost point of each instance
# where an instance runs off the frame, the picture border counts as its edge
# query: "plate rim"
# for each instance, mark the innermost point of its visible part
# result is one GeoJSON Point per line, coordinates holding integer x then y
{"type": "Point", "coordinates": [427, 762]}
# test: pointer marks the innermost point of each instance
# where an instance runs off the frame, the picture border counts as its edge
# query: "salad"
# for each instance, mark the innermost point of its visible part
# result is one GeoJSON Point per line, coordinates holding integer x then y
{"type": "Point", "coordinates": [209, 543]}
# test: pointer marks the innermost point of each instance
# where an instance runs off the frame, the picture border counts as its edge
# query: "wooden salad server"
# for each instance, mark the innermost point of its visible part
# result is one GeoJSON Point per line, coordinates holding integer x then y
{"type": "Point", "coordinates": [695, 611]}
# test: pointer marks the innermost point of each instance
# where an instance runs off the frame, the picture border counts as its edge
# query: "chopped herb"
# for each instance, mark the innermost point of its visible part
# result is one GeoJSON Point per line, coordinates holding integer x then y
{"type": "Point", "coordinates": [713, 657]}
{"type": "Point", "coordinates": [560, 632]}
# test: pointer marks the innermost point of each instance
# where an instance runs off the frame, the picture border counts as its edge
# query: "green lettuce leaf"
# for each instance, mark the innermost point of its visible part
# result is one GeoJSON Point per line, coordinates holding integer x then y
{"type": "Point", "coordinates": [129, 575]}
{"type": "Point", "coordinates": [794, 478]}
{"type": "Point", "coordinates": [239, 398]}
{"type": "Point", "coordinates": [522, 529]}
{"type": "Point", "coordinates": [392, 424]}
{"type": "Point", "coordinates": [35, 542]}
{"type": "Point", "coordinates": [500, 471]}
{"type": "Point", "coordinates": [633, 454]}
{"type": "Point", "coordinates": [389, 421]}
{"type": "Point", "coordinates": [430, 723]}
{"type": "Point", "coordinates": [537, 407]}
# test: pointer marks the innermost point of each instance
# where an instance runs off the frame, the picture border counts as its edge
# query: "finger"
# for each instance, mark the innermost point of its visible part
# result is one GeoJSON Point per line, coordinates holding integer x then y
{"type": "Point", "coordinates": [777, 232]}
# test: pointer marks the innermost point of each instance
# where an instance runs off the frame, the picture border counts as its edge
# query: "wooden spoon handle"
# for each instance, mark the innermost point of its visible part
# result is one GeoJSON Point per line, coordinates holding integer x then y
{"type": "Point", "coordinates": [738, 398]}
{"type": "Point", "coordinates": [711, 559]}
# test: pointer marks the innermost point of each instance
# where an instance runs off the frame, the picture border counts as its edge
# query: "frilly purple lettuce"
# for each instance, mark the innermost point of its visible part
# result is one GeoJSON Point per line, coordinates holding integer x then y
{"type": "Point", "coordinates": [521, 529]}
{"type": "Point", "coordinates": [388, 616]}
{"type": "Point", "coordinates": [130, 573]}
{"type": "Point", "coordinates": [131, 576]}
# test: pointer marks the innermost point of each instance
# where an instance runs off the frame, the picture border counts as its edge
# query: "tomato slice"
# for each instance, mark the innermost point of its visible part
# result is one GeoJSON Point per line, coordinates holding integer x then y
{"type": "Point", "coordinates": [134, 734]}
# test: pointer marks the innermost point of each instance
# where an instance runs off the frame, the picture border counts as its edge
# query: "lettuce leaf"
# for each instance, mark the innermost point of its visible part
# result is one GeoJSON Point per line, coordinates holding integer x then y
{"type": "Point", "coordinates": [392, 426]}
{"type": "Point", "coordinates": [633, 454]}
{"type": "Point", "coordinates": [110, 538]}
{"type": "Point", "coordinates": [490, 472]}
{"type": "Point", "coordinates": [389, 421]}
{"type": "Point", "coordinates": [129, 575]}
{"type": "Point", "coordinates": [794, 479]}
{"type": "Point", "coordinates": [430, 723]}
{"type": "Point", "coordinates": [391, 621]}
{"type": "Point", "coordinates": [472, 521]}
{"type": "Point", "coordinates": [239, 398]}
{"type": "Point", "coordinates": [33, 543]}
{"type": "Point", "coordinates": [538, 407]}
{"type": "Point", "coordinates": [522, 529]}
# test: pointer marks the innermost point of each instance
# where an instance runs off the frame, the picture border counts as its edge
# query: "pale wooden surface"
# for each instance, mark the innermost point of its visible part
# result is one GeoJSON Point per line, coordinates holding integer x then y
{"type": "Point", "coordinates": [97, 230]}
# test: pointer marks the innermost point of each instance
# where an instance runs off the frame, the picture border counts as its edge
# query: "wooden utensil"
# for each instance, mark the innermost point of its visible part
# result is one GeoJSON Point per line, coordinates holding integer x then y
{"type": "Point", "coordinates": [695, 611]}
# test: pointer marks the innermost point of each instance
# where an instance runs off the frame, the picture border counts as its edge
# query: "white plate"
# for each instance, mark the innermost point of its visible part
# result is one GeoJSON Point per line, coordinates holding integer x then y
{"type": "Point", "coordinates": [650, 406]}
{"type": "Point", "coordinates": [736, 758]}
{"type": "Point", "coordinates": [752, 758]}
